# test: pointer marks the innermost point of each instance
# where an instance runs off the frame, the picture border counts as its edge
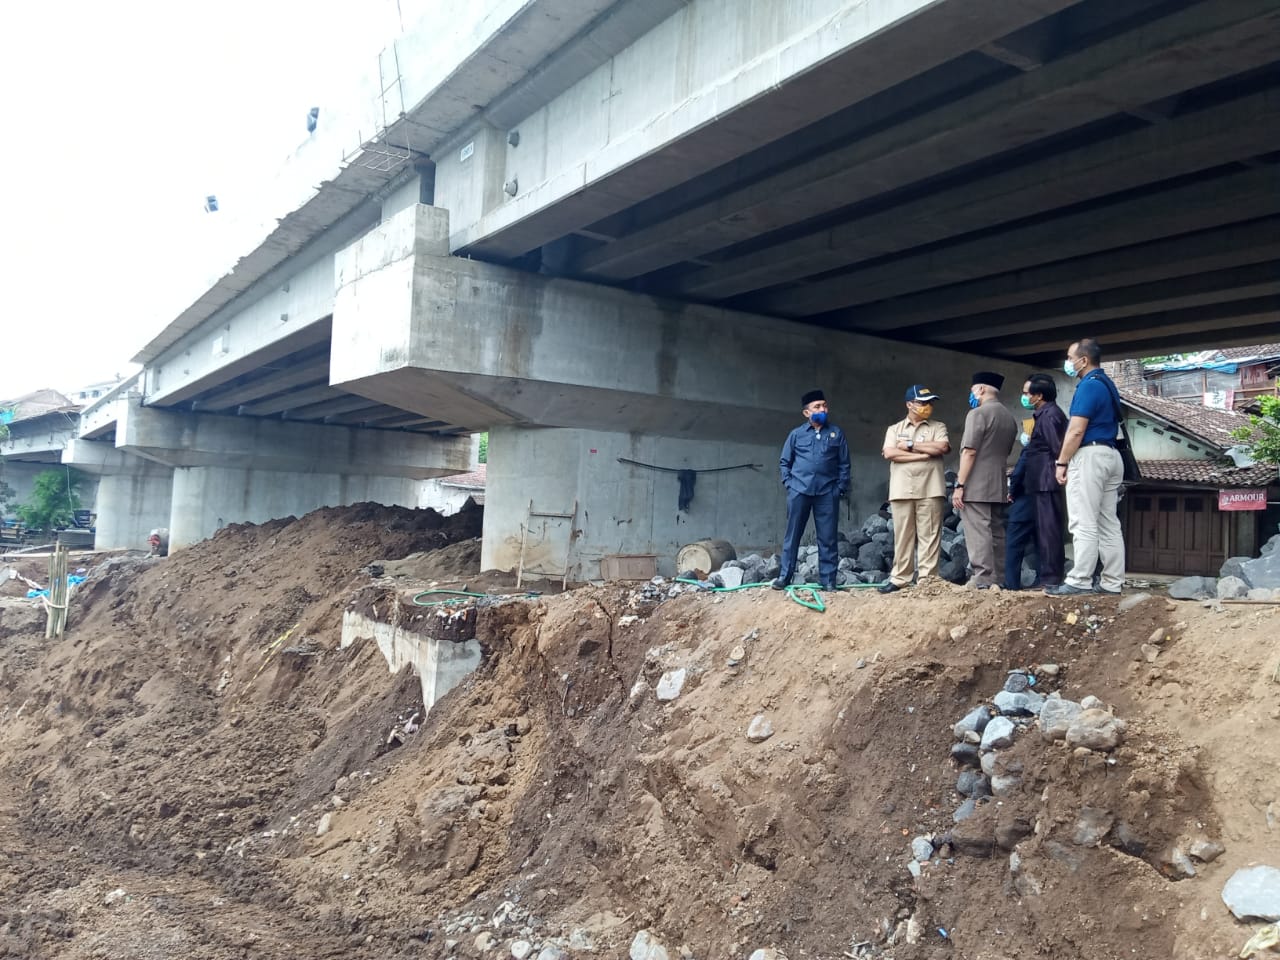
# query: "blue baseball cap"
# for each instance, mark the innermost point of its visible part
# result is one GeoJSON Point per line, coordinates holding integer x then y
{"type": "Point", "coordinates": [919, 392]}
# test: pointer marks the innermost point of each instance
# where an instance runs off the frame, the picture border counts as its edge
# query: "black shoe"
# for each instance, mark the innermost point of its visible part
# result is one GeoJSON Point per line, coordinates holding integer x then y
{"type": "Point", "coordinates": [1067, 590]}
{"type": "Point", "coordinates": [888, 588]}
{"type": "Point", "coordinates": [781, 583]}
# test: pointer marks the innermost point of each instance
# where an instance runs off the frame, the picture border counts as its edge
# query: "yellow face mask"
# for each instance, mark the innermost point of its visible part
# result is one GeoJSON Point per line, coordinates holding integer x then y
{"type": "Point", "coordinates": [924, 410]}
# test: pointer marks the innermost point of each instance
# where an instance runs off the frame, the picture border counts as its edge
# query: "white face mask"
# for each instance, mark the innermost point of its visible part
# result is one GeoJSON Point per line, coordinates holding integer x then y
{"type": "Point", "coordinates": [1025, 438]}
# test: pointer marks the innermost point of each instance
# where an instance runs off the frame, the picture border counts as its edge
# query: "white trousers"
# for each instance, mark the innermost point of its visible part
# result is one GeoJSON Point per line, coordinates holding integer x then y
{"type": "Point", "coordinates": [1093, 486]}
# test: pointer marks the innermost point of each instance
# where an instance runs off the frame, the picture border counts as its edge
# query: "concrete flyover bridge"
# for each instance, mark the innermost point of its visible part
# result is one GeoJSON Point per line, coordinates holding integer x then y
{"type": "Point", "coordinates": [639, 229]}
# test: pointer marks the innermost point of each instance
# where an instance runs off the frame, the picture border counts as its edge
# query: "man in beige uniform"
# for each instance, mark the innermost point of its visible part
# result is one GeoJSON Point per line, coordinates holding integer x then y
{"type": "Point", "coordinates": [914, 448]}
{"type": "Point", "coordinates": [982, 491]}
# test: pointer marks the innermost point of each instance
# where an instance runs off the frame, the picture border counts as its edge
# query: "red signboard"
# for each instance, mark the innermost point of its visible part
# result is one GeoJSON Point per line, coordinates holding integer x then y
{"type": "Point", "coordinates": [1242, 499]}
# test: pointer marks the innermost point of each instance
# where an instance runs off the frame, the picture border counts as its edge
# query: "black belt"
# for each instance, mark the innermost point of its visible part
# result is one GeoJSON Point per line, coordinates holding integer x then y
{"type": "Point", "coordinates": [1100, 443]}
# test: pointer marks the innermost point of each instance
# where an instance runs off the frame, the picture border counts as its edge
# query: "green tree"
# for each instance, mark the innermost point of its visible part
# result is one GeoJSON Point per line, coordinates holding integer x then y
{"type": "Point", "coordinates": [483, 455]}
{"type": "Point", "coordinates": [1262, 436]}
{"type": "Point", "coordinates": [6, 491]}
{"type": "Point", "coordinates": [55, 497]}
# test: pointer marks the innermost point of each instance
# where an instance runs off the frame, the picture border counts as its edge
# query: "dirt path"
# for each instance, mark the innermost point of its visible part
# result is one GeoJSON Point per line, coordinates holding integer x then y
{"type": "Point", "coordinates": [200, 742]}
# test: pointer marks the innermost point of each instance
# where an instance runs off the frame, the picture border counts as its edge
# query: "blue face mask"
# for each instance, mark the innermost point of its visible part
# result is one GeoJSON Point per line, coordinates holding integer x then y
{"type": "Point", "coordinates": [974, 402]}
{"type": "Point", "coordinates": [819, 417]}
{"type": "Point", "coordinates": [1026, 402]}
{"type": "Point", "coordinates": [1024, 438]}
{"type": "Point", "coordinates": [1069, 368]}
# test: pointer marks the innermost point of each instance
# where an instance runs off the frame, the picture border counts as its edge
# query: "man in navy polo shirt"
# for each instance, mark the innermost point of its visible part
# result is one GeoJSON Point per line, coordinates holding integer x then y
{"type": "Point", "coordinates": [1091, 468]}
{"type": "Point", "coordinates": [815, 471]}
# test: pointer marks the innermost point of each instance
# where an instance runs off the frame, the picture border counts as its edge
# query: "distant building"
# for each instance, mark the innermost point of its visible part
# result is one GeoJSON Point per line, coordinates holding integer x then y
{"type": "Point", "coordinates": [1195, 507]}
{"type": "Point", "coordinates": [448, 494]}
{"type": "Point", "coordinates": [88, 393]}
{"type": "Point", "coordinates": [1226, 378]}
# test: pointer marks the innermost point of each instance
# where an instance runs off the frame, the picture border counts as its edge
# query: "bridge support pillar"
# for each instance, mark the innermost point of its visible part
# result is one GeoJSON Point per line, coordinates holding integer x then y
{"type": "Point", "coordinates": [627, 492]}
{"type": "Point", "coordinates": [133, 494]}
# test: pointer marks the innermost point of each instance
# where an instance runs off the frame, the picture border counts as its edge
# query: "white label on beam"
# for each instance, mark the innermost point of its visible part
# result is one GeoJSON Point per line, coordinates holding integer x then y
{"type": "Point", "coordinates": [466, 152]}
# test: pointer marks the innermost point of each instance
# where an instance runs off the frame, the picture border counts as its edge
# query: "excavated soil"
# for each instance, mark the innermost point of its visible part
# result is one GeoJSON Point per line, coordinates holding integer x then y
{"type": "Point", "coordinates": [198, 770]}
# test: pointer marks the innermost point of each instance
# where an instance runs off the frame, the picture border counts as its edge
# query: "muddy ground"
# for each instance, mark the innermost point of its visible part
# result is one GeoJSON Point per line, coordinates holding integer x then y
{"type": "Point", "coordinates": [198, 770]}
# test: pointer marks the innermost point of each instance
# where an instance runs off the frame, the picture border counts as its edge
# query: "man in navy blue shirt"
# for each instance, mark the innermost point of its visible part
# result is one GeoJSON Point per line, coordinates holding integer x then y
{"type": "Point", "coordinates": [1020, 526]}
{"type": "Point", "coordinates": [1090, 466]}
{"type": "Point", "coordinates": [815, 471]}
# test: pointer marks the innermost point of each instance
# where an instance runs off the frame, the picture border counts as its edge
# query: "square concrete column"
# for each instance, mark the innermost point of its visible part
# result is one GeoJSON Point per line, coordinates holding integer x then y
{"type": "Point", "coordinates": [133, 494]}
{"type": "Point", "coordinates": [624, 507]}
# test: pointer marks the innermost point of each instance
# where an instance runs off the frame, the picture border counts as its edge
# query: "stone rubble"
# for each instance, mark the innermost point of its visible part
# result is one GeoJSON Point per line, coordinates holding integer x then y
{"type": "Point", "coordinates": [1253, 893]}
{"type": "Point", "coordinates": [984, 736]}
{"type": "Point", "coordinates": [671, 684]}
{"type": "Point", "coordinates": [760, 729]}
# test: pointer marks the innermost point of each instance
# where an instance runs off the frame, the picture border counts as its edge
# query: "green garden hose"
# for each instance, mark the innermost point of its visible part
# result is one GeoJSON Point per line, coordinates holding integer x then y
{"type": "Point", "coordinates": [795, 591]}
{"type": "Point", "coordinates": [458, 596]}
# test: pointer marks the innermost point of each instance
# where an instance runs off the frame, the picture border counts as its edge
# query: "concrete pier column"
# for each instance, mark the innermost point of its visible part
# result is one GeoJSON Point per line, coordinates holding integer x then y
{"type": "Point", "coordinates": [133, 494]}
{"type": "Point", "coordinates": [131, 505]}
{"type": "Point", "coordinates": [205, 499]}
{"type": "Point", "coordinates": [623, 507]}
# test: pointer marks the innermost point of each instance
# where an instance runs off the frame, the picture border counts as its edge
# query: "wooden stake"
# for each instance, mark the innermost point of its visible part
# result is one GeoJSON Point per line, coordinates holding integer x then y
{"type": "Point", "coordinates": [56, 602]}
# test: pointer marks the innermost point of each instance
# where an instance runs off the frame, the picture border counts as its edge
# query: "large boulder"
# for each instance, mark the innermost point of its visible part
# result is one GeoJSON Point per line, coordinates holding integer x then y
{"type": "Point", "coordinates": [1264, 572]}
{"type": "Point", "coordinates": [1234, 567]}
{"type": "Point", "coordinates": [875, 524]}
{"type": "Point", "coordinates": [1232, 588]}
{"type": "Point", "coordinates": [1271, 546]}
{"type": "Point", "coordinates": [1193, 588]}
{"type": "Point", "coordinates": [871, 556]}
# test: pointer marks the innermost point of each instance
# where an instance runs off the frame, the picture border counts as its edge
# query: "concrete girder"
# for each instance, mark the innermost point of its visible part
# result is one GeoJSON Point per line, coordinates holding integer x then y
{"type": "Point", "coordinates": [291, 401]}
{"type": "Point", "coordinates": [1027, 49]}
{"type": "Point", "coordinates": [1241, 283]}
{"type": "Point", "coordinates": [214, 440]}
{"type": "Point", "coordinates": [369, 415]}
{"type": "Point", "coordinates": [1144, 64]}
{"type": "Point", "coordinates": [397, 418]}
{"type": "Point", "coordinates": [330, 408]}
{"type": "Point", "coordinates": [39, 440]}
{"type": "Point", "coordinates": [674, 132]}
{"type": "Point", "coordinates": [1165, 323]}
{"type": "Point", "coordinates": [1203, 252]}
{"type": "Point", "coordinates": [269, 345]}
{"type": "Point", "coordinates": [1196, 206]}
{"type": "Point", "coordinates": [1244, 128]}
{"type": "Point", "coordinates": [291, 377]}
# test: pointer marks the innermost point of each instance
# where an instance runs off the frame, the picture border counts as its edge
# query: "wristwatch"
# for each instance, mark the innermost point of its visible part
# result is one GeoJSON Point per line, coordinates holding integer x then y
{"type": "Point", "coordinates": [911, 445]}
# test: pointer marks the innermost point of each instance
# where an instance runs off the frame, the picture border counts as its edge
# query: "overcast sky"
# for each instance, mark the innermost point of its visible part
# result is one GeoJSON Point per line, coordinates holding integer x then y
{"type": "Point", "coordinates": [118, 120]}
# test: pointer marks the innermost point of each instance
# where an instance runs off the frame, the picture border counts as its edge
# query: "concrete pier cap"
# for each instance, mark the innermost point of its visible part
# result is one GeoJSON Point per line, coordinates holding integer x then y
{"type": "Point", "coordinates": [614, 372]}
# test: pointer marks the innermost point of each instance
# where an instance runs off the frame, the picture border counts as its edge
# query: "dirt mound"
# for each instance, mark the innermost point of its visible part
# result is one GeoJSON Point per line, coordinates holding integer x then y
{"type": "Point", "coordinates": [457, 561]}
{"type": "Point", "coordinates": [199, 770]}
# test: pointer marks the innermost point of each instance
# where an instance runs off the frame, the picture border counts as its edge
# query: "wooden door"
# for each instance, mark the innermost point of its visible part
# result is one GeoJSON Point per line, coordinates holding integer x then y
{"type": "Point", "coordinates": [1175, 533]}
{"type": "Point", "coordinates": [1139, 533]}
